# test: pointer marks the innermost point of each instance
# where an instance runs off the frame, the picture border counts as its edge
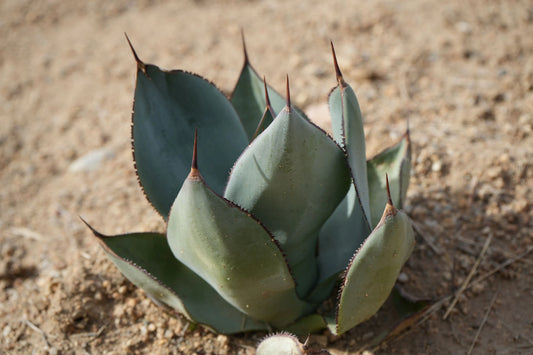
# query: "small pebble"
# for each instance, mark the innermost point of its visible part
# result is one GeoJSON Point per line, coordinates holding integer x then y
{"type": "Point", "coordinates": [436, 166]}
{"type": "Point", "coordinates": [90, 161]}
{"type": "Point", "coordinates": [222, 339]}
{"type": "Point", "coordinates": [403, 277]}
{"type": "Point", "coordinates": [118, 311]}
{"type": "Point", "coordinates": [477, 288]}
{"type": "Point", "coordinates": [131, 302]}
{"type": "Point", "coordinates": [463, 27]}
{"type": "Point", "coordinates": [6, 331]}
{"type": "Point", "coordinates": [168, 334]}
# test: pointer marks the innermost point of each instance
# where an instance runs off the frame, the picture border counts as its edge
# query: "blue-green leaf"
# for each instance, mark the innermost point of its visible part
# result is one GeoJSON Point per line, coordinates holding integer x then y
{"type": "Point", "coordinates": [348, 131]}
{"type": "Point", "coordinates": [349, 225]}
{"type": "Point", "coordinates": [292, 177]}
{"type": "Point", "coordinates": [395, 162]}
{"type": "Point", "coordinates": [234, 253]}
{"type": "Point", "coordinates": [147, 261]}
{"type": "Point", "coordinates": [304, 326]}
{"type": "Point", "coordinates": [168, 107]}
{"type": "Point", "coordinates": [341, 236]}
{"type": "Point", "coordinates": [374, 269]}
{"type": "Point", "coordinates": [249, 100]}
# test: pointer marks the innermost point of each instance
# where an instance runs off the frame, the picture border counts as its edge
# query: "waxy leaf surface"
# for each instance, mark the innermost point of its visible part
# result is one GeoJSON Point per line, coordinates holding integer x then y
{"type": "Point", "coordinates": [249, 100]}
{"type": "Point", "coordinates": [341, 236]}
{"type": "Point", "coordinates": [234, 253]}
{"type": "Point", "coordinates": [147, 261]}
{"type": "Point", "coordinates": [348, 131]}
{"type": "Point", "coordinates": [168, 107]}
{"type": "Point", "coordinates": [292, 177]}
{"type": "Point", "coordinates": [396, 163]}
{"type": "Point", "coordinates": [349, 225]}
{"type": "Point", "coordinates": [374, 269]}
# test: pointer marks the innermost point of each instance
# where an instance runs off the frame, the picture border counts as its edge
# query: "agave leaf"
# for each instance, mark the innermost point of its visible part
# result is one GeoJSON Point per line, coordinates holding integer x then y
{"type": "Point", "coordinates": [266, 120]}
{"type": "Point", "coordinates": [323, 288]}
{"type": "Point", "coordinates": [340, 237]}
{"type": "Point", "coordinates": [248, 97]}
{"type": "Point", "coordinates": [348, 131]}
{"type": "Point", "coordinates": [304, 326]}
{"type": "Point", "coordinates": [394, 161]}
{"type": "Point", "coordinates": [291, 178]}
{"type": "Point", "coordinates": [374, 269]}
{"type": "Point", "coordinates": [233, 252]}
{"type": "Point", "coordinates": [349, 225]}
{"type": "Point", "coordinates": [147, 261]}
{"type": "Point", "coordinates": [268, 115]}
{"type": "Point", "coordinates": [168, 107]}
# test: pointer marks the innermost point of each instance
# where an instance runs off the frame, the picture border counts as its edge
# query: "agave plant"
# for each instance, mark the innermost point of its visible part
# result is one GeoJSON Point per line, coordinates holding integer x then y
{"type": "Point", "coordinates": [272, 217]}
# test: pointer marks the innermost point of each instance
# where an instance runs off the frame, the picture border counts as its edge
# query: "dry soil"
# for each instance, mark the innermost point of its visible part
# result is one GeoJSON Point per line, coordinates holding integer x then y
{"type": "Point", "coordinates": [460, 71]}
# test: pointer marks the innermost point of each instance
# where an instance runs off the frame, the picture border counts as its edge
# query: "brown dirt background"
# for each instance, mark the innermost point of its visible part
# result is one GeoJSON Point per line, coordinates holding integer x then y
{"type": "Point", "coordinates": [460, 71]}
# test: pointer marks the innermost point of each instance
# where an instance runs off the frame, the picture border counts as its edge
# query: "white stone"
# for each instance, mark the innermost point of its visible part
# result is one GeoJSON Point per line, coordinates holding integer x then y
{"type": "Point", "coordinates": [91, 161]}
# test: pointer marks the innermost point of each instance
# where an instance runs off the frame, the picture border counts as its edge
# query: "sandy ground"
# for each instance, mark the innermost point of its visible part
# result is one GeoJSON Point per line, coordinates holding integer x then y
{"type": "Point", "coordinates": [460, 71]}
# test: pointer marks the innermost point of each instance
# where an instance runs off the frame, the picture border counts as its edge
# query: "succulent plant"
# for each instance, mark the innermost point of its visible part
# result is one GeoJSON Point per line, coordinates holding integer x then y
{"type": "Point", "coordinates": [272, 217]}
{"type": "Point", "coordinates": [285, 344]}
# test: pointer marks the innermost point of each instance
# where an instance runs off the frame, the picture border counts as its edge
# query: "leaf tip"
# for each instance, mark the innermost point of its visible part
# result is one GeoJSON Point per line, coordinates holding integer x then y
{"type": "Point", "coordinates": [407, 133]}
{"type": "Point", "coordinates": [195, 174]}
{"type": "Point", "coordinates": [245, 52]}
{"type": "Point", "coordinates": [288, 104]}
{"type": "Point", "coordinates": [267, 97]}
{"type": "Point", "coordinates": [389, 198]}
{"type": "Point", "coordinates": [390, 210]}
{"type": "Point", "coordinates": [267, 109]}
{"type": "Point", "coordinates": [95, 232]}
{"type": "Point", "coordinates": [140, 65]}
{"type": "Point", "coordinates": [338, 72]}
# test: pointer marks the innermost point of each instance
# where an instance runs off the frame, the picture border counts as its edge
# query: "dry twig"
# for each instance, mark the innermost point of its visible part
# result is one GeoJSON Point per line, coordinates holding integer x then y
{"type": "Point", "coordinates": [482, 323]}
{"type": "Point", "coordinates": [503, 265]}
{"type": "Point", "coordinates": [418, 230]}
{"type": "Point", "coordinates": [26, 233]}
{"type": "Point", "coordinates": [93, 335]}
{"type": "Point", "coordinates": [473, 189]}
{"type": "Point", "coordinates": [438, 304]}
{"type": "Point", "coordinates": [38, 330]}
{"type": "Point", "coordinates": [469, 277]}
{"type": "Point", "coordinates": [519, 334]}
